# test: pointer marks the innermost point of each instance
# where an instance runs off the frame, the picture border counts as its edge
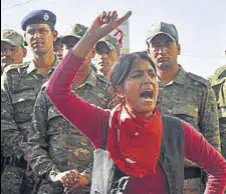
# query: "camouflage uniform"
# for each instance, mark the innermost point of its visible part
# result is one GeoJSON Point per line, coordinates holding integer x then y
{"type": "Point", "coordinates": [19, 88]}
{"type": "Point", "coordinates": [16, 40]}
{"type": "Point", "coordinates": [190, 98]}
{"type": "Point", "coordinates": [218, 83]}
{"type": "Point", "coordinates": [57, 146]}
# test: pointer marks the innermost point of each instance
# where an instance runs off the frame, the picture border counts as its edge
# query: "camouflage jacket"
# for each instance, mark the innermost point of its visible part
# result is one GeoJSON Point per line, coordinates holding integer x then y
{"type": "Point", "coordinates": [218, 83]}
{"type": "Point", "coordinates": [57, 146]}
{"type": "Point", "coordinates": [190, 98]}
{"type": "Point", "coordinates": [19, 88]}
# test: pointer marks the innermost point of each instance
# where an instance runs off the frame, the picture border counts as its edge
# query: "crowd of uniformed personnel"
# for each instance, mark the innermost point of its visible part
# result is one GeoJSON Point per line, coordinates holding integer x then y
{"type": "Point", "coordinates": [38, 144]}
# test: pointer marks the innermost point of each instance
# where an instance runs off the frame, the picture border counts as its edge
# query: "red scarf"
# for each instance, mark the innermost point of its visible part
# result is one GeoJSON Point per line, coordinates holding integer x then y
{"type": "Point", "coordinates": [134, 143]}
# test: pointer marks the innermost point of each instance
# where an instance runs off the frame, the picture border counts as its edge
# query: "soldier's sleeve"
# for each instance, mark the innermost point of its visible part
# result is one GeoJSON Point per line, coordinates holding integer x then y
{"type": "Point", "coordinates": [38, 157]}
{"type": "Point", "coordinates": [218, 83]}
{"type": "Point", "coordinates": [222, 113]}
{"type": "Point", "coordinates": [12, 141]}
{"type": "Point", "coordinates": [209, 123]}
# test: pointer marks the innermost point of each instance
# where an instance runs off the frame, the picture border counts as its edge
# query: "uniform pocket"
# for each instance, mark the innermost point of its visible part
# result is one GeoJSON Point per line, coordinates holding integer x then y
{"type": "Point", "coordinates": [23, 103]}
{"type": "Point", "coordinates": [188, 113]}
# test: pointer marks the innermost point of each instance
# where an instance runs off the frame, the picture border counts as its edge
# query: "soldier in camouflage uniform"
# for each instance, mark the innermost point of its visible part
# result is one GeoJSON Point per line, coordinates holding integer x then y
{"type": "Point", "coordinates": [218, 83]}
{"type": "Point", "coordinates": [12, 48]}
{"type": "Point", "coordinates": [20, 87]}
{"type": "Point", "coordinates": [56, 146]}
{"type": "Point", "coordinates": [107, 53]}
{"type": "Point", "coordinates": [182, 94]}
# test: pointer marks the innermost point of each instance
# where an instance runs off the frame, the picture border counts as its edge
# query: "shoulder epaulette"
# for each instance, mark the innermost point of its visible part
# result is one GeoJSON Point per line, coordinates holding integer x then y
{"type": "Point", "coordinates": [12, 66]}
{"type": "Point", "coordinates": [198, 79]}
{"type": "Point", "coordinates": [16, 66]}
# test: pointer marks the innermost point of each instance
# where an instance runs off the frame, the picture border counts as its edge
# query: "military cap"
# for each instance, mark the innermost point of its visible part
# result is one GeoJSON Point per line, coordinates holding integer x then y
{"type": "Point", "coordinates": [12, 37]}
{"type": "Point", "coordinates": [77, 31]}
{"type": "Point", "coordinates": [39, 17]}
{"type": "Point", "coordinates": [162, 28]}
{"type": "Point", "coordinates": [110, 41]}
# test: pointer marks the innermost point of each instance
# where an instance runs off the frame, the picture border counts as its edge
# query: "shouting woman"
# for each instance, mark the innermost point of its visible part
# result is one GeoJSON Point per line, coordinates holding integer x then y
{"type": "Point", "coordinates": [138, 150]}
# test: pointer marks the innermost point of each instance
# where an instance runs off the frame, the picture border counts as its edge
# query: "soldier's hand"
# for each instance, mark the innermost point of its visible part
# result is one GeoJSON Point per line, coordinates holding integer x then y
{"type": "Point", "coordinates": [106, 22]}
{"type": "Point", "coordinates": [73, 180]}
{"type": "Point", "coordinates": [71, 177]}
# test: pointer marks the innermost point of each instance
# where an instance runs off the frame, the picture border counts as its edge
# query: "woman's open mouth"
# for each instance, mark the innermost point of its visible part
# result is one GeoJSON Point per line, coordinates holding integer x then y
{"type": "Point", "coordinates": [147, 96]}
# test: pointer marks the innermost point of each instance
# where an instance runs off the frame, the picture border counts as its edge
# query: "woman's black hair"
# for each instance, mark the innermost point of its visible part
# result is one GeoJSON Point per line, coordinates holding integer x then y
{"type": "Point", "coordinates": [123, 66]}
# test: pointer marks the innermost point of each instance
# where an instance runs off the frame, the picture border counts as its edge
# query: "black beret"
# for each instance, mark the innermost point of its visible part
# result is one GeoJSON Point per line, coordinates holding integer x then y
{"type": "Point", "coordinates": [39, 17]}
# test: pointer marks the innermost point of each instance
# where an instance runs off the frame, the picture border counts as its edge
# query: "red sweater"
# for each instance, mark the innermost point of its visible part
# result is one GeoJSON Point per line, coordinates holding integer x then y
{"type": "Point", "coordinates": [89, 119]}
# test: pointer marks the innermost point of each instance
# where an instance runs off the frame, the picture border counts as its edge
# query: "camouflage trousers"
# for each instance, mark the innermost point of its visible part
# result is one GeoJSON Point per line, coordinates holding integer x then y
{"type": "Point", "coordinates": [193, 186]}
{"type": "Point", "coordinates": [47, 187]}
{"type": "Point", "coordinates": [15, 181]}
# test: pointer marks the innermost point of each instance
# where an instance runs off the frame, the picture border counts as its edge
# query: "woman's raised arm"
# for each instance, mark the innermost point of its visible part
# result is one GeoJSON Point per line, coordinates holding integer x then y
{"type": "Point", "coordinates": [91, 120]}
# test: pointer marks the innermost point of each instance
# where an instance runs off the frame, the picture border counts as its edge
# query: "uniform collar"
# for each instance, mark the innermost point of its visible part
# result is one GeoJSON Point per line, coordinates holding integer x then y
{"type": "Point", "coordinates": [33, 67]}
{"type": "Point", "coordinates": [91, 79]}
{"type": "Point", "coordinates": [180, 76]}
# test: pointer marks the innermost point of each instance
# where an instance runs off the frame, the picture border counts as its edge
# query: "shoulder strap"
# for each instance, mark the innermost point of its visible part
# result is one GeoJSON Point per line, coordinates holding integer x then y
{"type": "Point", "coordinates": [105, 137]}
{"type": "Point", "coordinates": [107, 126]}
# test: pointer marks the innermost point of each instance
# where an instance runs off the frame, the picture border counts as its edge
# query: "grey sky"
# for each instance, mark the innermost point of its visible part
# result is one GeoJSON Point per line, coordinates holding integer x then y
{"type": "Point", "coordinates": [201, 23]}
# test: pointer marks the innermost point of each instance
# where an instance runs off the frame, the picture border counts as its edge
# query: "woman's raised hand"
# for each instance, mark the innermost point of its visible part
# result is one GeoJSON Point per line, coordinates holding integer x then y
{"type": "Point", "coordinates": [106, 22]}
{"type": "Point", "coordinates": [100, 27]}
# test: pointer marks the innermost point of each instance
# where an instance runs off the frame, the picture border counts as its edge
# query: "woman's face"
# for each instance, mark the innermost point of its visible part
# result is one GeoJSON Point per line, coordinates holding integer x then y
{"type": "Point", "coordinates": [140, 89]}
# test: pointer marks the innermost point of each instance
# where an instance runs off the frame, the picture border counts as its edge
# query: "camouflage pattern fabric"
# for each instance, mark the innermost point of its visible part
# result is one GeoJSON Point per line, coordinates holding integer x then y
{"type": "Point", "coordinates": [19, 88]}
{"type": "Point", "coordinates": [12, 37]}
{"type": "Point", "coordinates": [111, 42]}
{"type": "Point", "coordinates": [191, 98]}
{"type": "Point", "coordinates": [57, 146]}
{"type": "Point", "coordinates": [77, 31]}
{"type": "Point", "coordinates": [47, 187]}
{"type": "Point", "coordinates": [13, 178]}
{"type": "Point", "coordinates": [218, 83]}
{"type": "Point", "coordinates": [193, 186]}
